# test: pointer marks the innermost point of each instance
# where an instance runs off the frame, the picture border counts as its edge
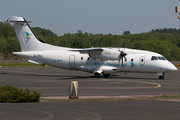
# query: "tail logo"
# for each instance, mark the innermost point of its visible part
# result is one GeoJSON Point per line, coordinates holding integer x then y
{"type": "Point", "coordinates": [27, 34]}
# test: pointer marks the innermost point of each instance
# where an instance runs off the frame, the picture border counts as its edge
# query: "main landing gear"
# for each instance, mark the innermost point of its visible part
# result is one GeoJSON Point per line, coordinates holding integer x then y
{"type": "Point", "coordinates": [106, 75]}
{"type": "Point", "coordinates": [97, 75]}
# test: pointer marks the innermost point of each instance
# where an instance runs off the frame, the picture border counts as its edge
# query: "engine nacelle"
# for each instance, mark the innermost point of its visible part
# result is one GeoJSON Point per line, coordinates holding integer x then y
{"type": "Point", "coordinates": [106, 54]}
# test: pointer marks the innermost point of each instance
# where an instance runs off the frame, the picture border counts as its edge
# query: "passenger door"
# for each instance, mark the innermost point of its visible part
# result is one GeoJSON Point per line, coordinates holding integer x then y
{"type": "Point", "coordinates": [72, 61]}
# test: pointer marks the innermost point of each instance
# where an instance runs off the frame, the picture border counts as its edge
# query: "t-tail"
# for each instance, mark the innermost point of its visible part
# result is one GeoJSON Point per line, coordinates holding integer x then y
{"type": "Point", "coordinates": [27, 38]}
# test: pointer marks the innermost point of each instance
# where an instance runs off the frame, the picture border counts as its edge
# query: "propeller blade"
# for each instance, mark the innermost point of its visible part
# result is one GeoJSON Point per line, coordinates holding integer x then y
{"type": "Point", "coordinates": [122, 62]}
{"type": "Point", "coordinates": [123, 54]}
{"type": "Point", "coordinates": [119, 55]}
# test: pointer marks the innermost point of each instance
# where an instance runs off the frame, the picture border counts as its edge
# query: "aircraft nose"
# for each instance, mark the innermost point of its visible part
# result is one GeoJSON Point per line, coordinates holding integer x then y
{"type": "Point", "coordinates": [171, 67]}
{"type": "Point", "coordinates": [174, 68]}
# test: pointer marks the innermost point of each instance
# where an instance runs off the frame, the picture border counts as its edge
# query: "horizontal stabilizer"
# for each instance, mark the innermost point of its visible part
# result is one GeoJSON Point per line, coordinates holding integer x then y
{"type": "Point", "coordinates": [32, 61]}
{"type": "Point", "coordinates": [17, 19]}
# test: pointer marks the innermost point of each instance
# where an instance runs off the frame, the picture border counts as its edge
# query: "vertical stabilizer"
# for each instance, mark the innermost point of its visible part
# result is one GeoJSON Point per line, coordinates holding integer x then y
{"type": "Point", "coordinates": [27, 39]}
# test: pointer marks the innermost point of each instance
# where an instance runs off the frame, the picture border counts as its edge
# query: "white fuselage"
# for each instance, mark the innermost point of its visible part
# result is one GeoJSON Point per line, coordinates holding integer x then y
{"type": "Point", "coordinates": [94, 60]}
{"type": "Point", "coordinates": [136, 61]}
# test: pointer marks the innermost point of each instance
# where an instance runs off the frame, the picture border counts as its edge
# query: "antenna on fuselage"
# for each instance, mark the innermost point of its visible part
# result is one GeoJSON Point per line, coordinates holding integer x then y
{"type": "Point", "coordinates": [125, 46]}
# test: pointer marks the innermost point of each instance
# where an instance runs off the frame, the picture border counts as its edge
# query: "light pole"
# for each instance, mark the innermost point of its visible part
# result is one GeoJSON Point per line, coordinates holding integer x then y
{"type": "Point", "coordinates": [177, 10]}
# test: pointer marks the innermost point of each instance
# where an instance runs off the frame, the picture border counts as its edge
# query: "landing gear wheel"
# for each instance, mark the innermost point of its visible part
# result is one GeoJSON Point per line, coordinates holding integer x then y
{"type": "Point", "coordinates": [161, 77]}
{"type": "Point", "coordinates": [106, 75]}
{"type": "Point", "coordinates": [96, 75]}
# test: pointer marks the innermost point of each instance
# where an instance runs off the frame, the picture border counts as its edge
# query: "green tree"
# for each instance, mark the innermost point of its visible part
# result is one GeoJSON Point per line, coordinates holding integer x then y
{"type": "Point", "coordinates": [126, 33]}
{"type": "Point", "coordinates": [4, 47]}
{"type": "Point", "coordinates": [6, 30]}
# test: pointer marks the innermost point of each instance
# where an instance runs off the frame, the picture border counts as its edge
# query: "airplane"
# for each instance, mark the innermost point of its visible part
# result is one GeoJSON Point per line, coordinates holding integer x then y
{"type": "Point", "coordinates": [98, 61]}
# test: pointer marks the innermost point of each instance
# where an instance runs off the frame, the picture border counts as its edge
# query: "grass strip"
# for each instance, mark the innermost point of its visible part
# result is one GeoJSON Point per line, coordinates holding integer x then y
{"type": "Point", "coordinates": [9, 94]}
{"type": "Point", "coordinates": [21, 65]}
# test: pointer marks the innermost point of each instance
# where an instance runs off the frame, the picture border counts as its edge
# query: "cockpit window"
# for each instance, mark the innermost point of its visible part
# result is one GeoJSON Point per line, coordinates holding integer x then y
{"type": "Point", "coordinates": [154, 58]}
{"type": "Point", "coordinates": [161, 58]}
{"type": "Point", "coordinates": [158, 58]}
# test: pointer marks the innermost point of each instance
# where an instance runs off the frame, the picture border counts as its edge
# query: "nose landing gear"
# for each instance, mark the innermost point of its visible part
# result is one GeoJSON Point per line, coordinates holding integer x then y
{"type": "Point", "coordinates": [161, 75]}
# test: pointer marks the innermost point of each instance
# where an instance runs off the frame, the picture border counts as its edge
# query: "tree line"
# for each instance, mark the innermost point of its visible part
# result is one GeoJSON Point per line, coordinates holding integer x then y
{"type": "Point", "coordinates": [164, 41]}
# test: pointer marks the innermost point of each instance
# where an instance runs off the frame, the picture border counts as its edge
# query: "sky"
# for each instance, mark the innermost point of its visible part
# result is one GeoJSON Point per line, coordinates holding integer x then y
{"type": "Point", "coordinates": [94, 16]}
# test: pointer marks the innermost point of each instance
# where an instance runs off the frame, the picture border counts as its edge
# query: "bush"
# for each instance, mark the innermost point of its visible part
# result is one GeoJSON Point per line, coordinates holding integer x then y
{"type": "Point", "coordinates": [9, 94]}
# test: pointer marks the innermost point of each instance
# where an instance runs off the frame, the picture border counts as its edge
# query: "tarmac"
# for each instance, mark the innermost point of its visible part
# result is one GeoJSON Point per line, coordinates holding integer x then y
{"type": "Point", "coordinates": [92, 110]}
{"type": "Point", "coordinates": [53, 83]}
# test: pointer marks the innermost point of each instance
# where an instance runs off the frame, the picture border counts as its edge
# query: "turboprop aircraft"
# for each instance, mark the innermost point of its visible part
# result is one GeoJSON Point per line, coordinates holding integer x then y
{"type": "Point", "coordinates": [94, 60]}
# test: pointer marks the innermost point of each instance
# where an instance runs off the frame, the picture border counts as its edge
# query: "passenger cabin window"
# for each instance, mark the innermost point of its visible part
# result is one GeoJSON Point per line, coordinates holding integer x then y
{"type": "Point", "coordinates": [154, 58]}
{"type": "Point", "coordinates": [81, 58]}
{"type": "Point", "coordinates": [132, 60]}
{"type": "Point", "coordinates": [88, 58]}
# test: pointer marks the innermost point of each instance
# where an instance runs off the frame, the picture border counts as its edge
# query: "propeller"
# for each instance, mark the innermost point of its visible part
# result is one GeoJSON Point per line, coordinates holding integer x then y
{"type": "Point", "coordinates": [121, 56]}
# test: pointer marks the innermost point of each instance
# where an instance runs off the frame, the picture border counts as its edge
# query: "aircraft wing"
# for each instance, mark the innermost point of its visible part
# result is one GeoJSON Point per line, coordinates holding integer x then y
{"type": "Point", "coordinates": [94, 50]}
{"type": "Point", "coordinates": [101, 53]}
